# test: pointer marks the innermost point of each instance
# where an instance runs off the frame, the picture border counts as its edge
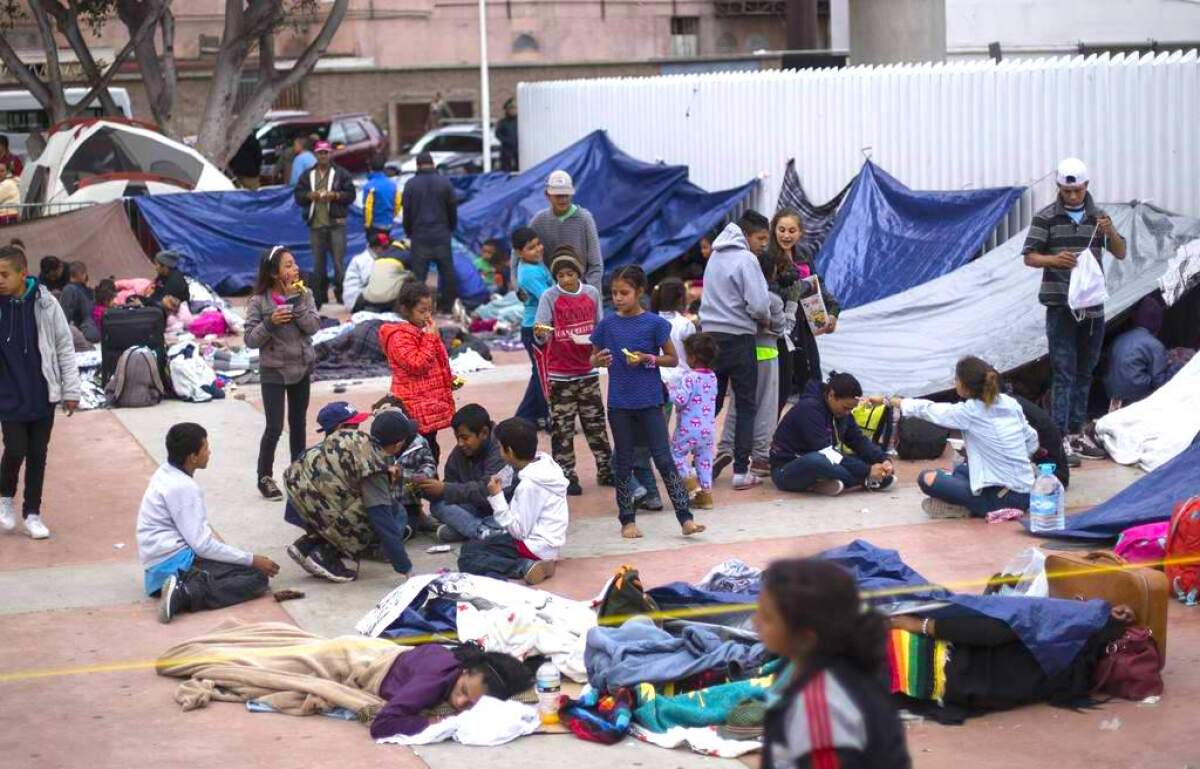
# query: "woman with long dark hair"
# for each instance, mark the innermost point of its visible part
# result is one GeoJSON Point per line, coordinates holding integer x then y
{"type": "Point", "coordinates": [829, 706]}
{"type": "Point", "coordinates": [280, 322]}
{"type": "Point", "coordinates": [787, 231]}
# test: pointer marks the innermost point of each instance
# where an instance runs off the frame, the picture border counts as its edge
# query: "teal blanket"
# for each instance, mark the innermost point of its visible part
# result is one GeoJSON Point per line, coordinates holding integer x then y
{"type": "Point", "coordinates": [703, 707]}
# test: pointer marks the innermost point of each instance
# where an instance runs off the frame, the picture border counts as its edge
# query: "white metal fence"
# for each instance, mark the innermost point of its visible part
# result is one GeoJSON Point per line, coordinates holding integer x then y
{"type": "Point", "coordinates": [1134, 120]}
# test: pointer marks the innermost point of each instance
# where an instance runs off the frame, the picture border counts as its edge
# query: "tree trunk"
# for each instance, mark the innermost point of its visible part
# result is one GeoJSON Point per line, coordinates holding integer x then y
{"type": "Point", "coordinates": [67, 19]}
{"type": "Point", "coordinates": [57, 106]}
{"type": "Point", "coordinates": [160, 88]}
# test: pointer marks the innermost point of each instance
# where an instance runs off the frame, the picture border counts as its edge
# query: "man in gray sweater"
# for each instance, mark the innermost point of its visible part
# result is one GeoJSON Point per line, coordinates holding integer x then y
{"type": "Point", "coordinates": [567, 223]}
{"type": "Point", "coordinates": [735, 305]}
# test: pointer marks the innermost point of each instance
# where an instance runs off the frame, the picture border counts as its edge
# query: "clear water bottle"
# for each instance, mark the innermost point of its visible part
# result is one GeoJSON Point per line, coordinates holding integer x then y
{"type": "Point", "coordinates": [549, 686]}
{"type": "Point", "coordinates": [1047, 502]}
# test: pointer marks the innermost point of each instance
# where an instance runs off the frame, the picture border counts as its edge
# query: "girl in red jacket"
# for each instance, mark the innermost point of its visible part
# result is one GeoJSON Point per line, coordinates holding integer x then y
{"type": "Point", "coordinates": [421, 377]}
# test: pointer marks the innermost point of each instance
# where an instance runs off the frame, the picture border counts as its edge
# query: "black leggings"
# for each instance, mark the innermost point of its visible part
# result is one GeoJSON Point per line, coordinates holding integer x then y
{"type": "Point", "coordinates": [273, 396]}
{"type": "Point", "coordinates": [26, 443]}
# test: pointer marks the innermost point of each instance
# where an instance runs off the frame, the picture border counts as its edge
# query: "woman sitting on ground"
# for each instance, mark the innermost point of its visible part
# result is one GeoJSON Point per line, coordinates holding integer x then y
{"type": "Point", "coordinates": [809, 612]}
{"type": "Point", "coordinates": [999, 443]}
{"type": "Point", "coordinates": [819, 447]}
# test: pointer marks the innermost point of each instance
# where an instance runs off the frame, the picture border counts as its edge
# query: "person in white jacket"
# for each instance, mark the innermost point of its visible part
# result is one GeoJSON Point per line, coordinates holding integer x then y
{"type": "Point", "coordinates": [523, 537]}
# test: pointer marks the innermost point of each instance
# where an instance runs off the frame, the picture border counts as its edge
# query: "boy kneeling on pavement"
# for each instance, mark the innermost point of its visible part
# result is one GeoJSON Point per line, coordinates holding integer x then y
{"type": "Point", "coordinates": [522, 538]}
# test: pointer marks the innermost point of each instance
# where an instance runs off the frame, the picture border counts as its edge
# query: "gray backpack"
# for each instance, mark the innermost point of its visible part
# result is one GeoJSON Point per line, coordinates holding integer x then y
{"type": "Point", "coordinates": [136, 381]}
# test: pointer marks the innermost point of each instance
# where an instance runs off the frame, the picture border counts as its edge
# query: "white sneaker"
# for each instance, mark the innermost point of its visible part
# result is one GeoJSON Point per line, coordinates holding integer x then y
{"type": "Point", "coordinates": [827, 486]}
{"type": "Point", "coordinates": [744, 481]}
{"type": "Point", "coordinates": [8, 516]}
{"type": "Point", "coordinates": [35, 527]}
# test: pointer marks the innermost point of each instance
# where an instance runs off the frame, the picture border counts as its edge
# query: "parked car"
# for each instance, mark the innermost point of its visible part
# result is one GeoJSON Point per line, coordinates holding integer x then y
{"type": "Point", "coordinates": [355, 138]}
{"type": "Point", "coordinates": [456, 149]}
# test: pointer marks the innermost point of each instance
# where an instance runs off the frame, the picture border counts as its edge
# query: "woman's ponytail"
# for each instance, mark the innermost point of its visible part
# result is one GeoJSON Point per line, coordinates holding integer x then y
{"type": "Point", "coordinates": [991, 387]}
{"type": "Point", "coordinates": [979, 378]}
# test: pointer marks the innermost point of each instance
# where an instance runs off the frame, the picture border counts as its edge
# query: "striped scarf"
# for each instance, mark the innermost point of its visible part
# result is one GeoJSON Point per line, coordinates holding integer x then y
{"type": "Point", "coordinates": [917, 664]}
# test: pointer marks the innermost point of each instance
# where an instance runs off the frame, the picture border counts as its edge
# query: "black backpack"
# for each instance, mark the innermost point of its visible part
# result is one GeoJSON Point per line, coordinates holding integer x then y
{"type": "Point", "coordinates": [918, 439]}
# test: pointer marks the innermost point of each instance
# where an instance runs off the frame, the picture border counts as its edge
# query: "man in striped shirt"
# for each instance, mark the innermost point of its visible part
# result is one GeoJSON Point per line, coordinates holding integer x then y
{"type": "Point", "coordinates": [1059, 236]}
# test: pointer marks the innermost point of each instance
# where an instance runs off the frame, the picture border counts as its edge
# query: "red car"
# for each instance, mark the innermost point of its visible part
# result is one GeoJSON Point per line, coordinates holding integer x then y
{"type": "Point", "coordinates": [354, 136]}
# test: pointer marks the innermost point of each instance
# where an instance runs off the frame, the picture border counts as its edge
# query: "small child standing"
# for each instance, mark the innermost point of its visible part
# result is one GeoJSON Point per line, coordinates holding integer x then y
{"type": "Point", "coordinates": [421, 376]}
{"type": "Point", "coordinates": [567, 312]}
{"type": "Point", "coordinates": [106, 297]}
{"type": "Point", "coordinates": [37, 372]}
{"type": "Point", "coordinates": [630, 344]}
{"type": "Point", "coordinates": [695, 397]}
{"type": "Point", "coordinates": [522, 539]}
{"type": "Point", "coordinates": [669, 300]}
{"type": "Point", "coordinates": [532, 281]}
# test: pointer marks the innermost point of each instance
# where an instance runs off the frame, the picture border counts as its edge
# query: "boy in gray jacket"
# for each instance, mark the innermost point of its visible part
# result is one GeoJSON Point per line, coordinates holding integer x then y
{"type": "Point", "coordinates": [37, 372]}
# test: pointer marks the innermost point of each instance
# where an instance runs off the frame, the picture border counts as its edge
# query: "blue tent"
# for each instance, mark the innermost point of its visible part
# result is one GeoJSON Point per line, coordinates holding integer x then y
{"type": "Point", "coordinates": [888, 238]}
{"type": "Point", "coordinates": [646, 213]}
{"type": "Point", "coordinates": [221, 235]}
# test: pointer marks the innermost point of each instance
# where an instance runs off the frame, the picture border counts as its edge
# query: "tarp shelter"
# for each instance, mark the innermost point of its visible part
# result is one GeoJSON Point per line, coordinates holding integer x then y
{"type": "Point", "coordinates": [222, 234]}
{"type": "Point", "coordinates": [99, 236]}
{"type": "Point", "coordinates": [909, 343]}
{"type": "Point", "coordinates": [817, 220]}
{"type": "Point", "coordinates": [888, 238]}
{"type": "Point", "coordinates": [646, 213]}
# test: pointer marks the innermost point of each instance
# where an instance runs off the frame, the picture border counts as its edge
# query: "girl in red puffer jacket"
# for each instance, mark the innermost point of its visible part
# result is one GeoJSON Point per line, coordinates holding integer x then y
{"type": "Point", "coordinates": [421, 376]}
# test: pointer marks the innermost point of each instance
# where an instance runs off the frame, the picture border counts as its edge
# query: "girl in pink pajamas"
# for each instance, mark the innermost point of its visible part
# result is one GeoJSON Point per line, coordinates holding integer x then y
{"type": "Point", "coordinates": [694, 395]}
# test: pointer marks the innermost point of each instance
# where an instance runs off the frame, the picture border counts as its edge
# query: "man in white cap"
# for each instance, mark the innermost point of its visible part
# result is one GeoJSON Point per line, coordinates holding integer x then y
{"type": "Point", "coordinates": [1070, 228]}
{"type": "Point", "coordinates": [565, 223]}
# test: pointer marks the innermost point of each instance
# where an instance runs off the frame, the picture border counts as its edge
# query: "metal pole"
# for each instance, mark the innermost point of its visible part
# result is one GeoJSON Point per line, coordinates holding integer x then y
{"type": "Point", "coordinates": [485, 95]}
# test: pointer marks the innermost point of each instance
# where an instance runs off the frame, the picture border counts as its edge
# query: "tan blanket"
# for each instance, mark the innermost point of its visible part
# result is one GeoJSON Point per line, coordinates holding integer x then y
{"type": "Point", "coordinates": [292, 671]}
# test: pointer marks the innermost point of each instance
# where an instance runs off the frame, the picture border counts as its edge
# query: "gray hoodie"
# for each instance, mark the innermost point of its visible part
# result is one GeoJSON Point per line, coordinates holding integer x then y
{"type": "Point", "coordinates": [735, 298]}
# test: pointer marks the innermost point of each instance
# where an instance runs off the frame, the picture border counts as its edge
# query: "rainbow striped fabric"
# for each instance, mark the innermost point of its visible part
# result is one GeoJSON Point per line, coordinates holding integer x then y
{"type": "Point", "coordinates": [918, 665]}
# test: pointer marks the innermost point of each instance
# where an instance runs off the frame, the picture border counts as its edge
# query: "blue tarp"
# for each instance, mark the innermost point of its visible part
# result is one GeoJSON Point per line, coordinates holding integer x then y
{"type": "Point", "coordinates": [467, 186]}
{"type": "Point", "coordinates": [222, 234]}
{"type": "Point", "coordinates": [888, 238]}
{"type": "Point", "coordinates": [646, 213]}
{"type": "Point", "coordinates": [1150, 499]}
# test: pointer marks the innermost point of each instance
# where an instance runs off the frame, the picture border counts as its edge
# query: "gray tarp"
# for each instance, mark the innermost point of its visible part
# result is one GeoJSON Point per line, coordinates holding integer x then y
{"type": "Point", "coordinates": [908, 343]}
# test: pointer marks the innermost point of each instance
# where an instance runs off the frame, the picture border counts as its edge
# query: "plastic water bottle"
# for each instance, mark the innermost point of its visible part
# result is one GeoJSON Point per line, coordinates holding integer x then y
{"type": "Point", "coordinates": [549, 685]}
{"type": "Point", "coordinates": [1047, 502]}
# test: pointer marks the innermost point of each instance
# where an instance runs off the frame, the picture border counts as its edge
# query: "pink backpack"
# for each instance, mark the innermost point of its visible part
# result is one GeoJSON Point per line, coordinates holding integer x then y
{"type": "Point", "coordinates": [1144, 544]}
{"type": "Point", "coordinates": [210, 321]}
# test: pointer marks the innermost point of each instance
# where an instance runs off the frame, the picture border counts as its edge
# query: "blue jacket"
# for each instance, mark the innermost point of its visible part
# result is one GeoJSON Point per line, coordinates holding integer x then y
{"type": "Point", "coordinates": [429, 209]}
{"type": "Point", "coordinates": [381, 201]}
{"type": "Point", "coordinates": [1137, 365]}
{"type": "Point", "coordinates": [810, 426]}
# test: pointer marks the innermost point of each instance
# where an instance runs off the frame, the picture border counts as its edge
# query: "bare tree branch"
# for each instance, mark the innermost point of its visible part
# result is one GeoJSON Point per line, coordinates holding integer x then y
{"type": "Point", "coordinates": [24, 75]}
{"type": "Point", "coordinates": [67, 19]}
{"type": "Point", "coordinates": [57, 103]}
{"type": "Point", "coordinates": [160, 93]}
{"type": "Point", "coordinates": [101, 84]}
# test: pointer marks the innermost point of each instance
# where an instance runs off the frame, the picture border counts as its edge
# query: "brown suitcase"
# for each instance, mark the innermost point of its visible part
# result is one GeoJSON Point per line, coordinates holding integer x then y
{"type": "Point", "coordinates": [1103, 574]}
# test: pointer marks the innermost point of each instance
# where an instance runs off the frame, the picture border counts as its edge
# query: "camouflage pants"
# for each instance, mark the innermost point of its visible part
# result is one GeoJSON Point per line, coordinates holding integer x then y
{"type": "Point", "coordinates": [349, 529]}
{"type": "Point", "coordinates": [579, 397]}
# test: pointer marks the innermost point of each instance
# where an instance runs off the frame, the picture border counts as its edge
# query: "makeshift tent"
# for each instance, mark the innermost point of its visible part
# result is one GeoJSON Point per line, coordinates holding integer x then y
{"type": "Point", "coordinates": [99, 236]}
{"type": "Point", "coordinates": [646, 213]}
{"type": "Point", "coordinates": [888, 238]}
{"type": "Point", "coordinates": [222, 234]}
{"type": "Point", "coordinates": [908, 343]}
{"type": "Point", "coordinates": [1149, 499]}
{"type": "Point", "coordinates": [818, 220]}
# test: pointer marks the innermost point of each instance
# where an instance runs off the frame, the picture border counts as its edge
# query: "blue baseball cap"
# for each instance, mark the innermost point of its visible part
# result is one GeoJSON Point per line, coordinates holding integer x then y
{"type": "Point", "coordinates": [334, 415]}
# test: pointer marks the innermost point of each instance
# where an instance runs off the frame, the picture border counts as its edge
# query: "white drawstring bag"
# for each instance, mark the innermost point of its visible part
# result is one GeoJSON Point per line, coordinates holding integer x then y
{"type": "Point", "coordinates": [1087, 287]}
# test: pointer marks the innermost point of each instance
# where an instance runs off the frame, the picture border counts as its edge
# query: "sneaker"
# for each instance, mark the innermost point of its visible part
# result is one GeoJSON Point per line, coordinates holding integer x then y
{"type": "Point", "coordinates": [574, 489]}
{"type": "Point", "coordinates": [35, 528]}
{"type": "Point", "coordinates": [172, 599]}
{"type": "Point", "coordinates": [760, 468]}
{"type": "Point", "coordinates": [267, 487]}
{"type": "Point", "coordinates": [324, 562]}
{"type": "Point", "coordinates": [652, 503]}
{"type": "Point", "coordinates": [883, 484]}
{"type": "Point", "coordinates": [539, 572]}
{"type": "Point", "coordinates": [8, 514]}
{"type": "Point", "coordinates": [703, 500]}
{"type": "Point", "coordinates": [408, 532]}
{"type": "Point", "coordinates": [828, 487]}
{"type": "Point", "coordinates": [722, 461]}
{"type": "Point", "coordinates": [1085, 449]}
{"type": "Point", "coordinates": [299, 551]}
{"type": "Point", "coordinates": [936, 508]}
{"type": "Point", "coordinates": [744, 481]}
{"type": "Point", "coordinates": [447, 535]}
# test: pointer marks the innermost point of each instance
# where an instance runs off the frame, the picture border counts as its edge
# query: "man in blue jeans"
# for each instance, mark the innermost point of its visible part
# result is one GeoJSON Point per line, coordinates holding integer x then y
{"type": "Point", "coordinates": [1059, 234]}
{"type": "Point", "coordinates": [429, 210]}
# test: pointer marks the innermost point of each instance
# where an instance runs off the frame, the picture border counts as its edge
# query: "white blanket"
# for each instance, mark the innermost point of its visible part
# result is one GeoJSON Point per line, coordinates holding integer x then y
{"type": "Point", "coordinates": [702, 739]}
{"type": "Point", "coordinates": [489, 722]}
{"type": "Point", "coordinates": [500, 616]}
{"type": "Point", "coordinates": [1151, 432]}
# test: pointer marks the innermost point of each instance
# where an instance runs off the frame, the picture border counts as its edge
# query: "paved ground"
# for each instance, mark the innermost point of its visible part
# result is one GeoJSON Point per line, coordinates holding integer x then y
{"type": "Point", "coordinates": [74, 689]}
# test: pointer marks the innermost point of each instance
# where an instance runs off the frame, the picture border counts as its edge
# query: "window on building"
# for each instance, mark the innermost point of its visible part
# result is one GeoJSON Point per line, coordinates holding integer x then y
{"type": "Point", "coordinates": [727, 43]}
{"type": "Point", "coordinates": [525, 42]}
{"type": "Point", "coordinates": [685, 35]}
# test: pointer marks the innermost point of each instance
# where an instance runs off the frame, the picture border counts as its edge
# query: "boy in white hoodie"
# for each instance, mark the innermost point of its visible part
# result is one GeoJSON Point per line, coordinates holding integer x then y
{"type": "Point", "coordinates": [522, 539]}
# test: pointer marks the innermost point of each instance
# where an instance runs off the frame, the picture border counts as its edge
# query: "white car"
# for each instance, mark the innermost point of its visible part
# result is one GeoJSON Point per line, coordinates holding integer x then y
{"type": "Point", "coordinates": [95, 161]}
{"type": "Point", "coordinates": [456, 149]}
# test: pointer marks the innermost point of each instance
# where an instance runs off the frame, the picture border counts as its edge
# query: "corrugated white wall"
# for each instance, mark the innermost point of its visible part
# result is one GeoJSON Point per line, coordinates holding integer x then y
{"type": "Point", "coordinates": [959, 125]}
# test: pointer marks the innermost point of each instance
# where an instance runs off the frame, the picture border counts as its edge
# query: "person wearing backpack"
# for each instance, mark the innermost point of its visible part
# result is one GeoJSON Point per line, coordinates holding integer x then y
{"type": "Point", "coordinates": [999, 443]}
{"type": "Point", "coordinates": [37, 372]}
{"type": "Point", "coordinates": [280, 322]}
{"type": "Point", "coordinates": [1058, 235]}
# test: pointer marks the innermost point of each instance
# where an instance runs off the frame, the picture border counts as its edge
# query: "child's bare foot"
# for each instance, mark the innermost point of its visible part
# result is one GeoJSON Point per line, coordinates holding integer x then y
{"type": "Point", "coordinates": [631, 531]}
{"type": "Point", "coordinates": [691, 527]}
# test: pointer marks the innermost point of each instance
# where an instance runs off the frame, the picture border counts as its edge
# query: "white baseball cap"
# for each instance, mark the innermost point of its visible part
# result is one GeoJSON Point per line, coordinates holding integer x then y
{"type": "Point", "coordinates": [559, 183]}
{"type": "Point", "coordinates": [1072, 173]}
